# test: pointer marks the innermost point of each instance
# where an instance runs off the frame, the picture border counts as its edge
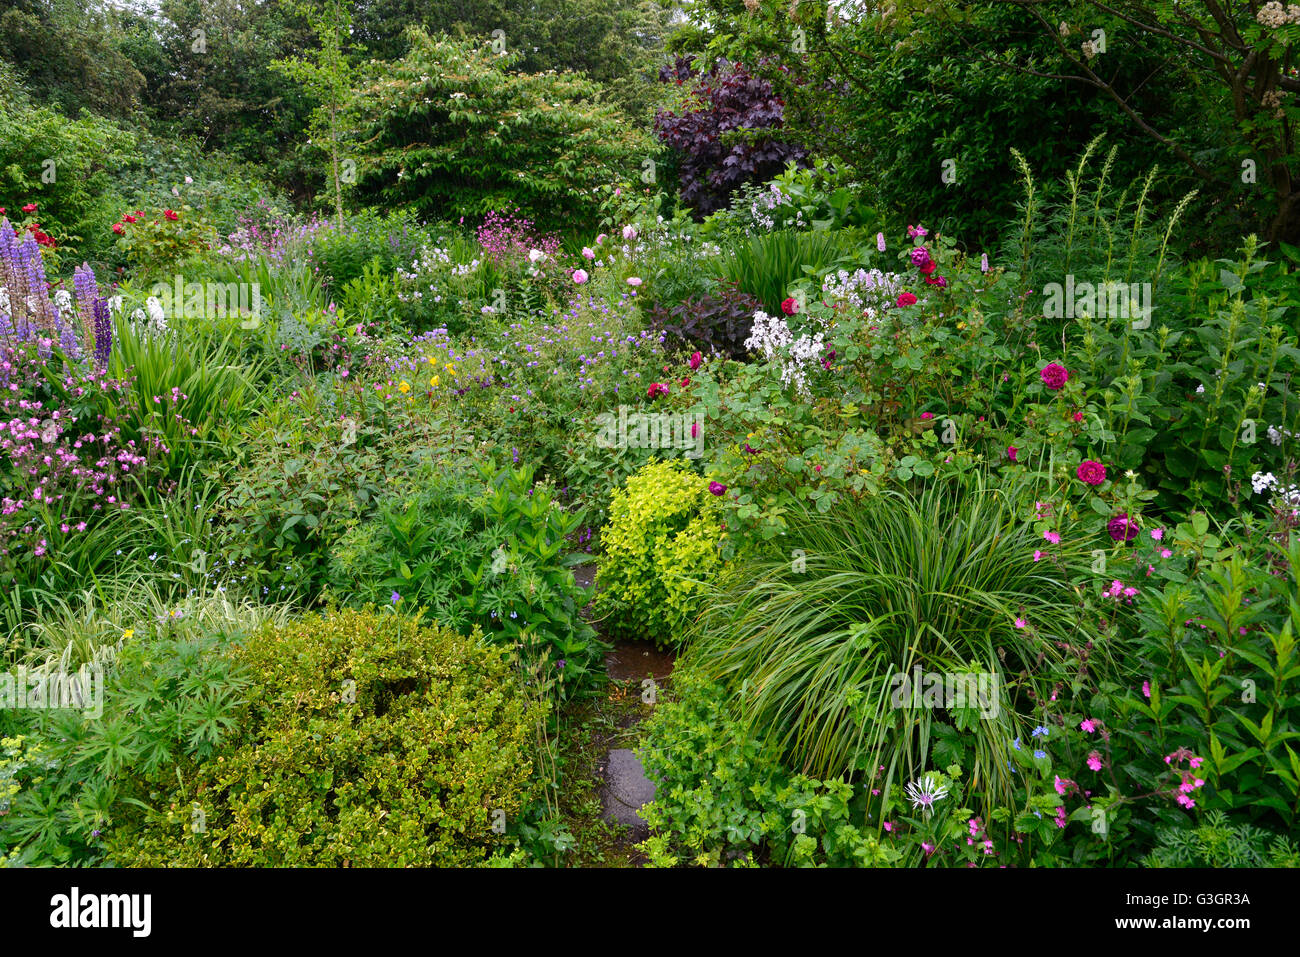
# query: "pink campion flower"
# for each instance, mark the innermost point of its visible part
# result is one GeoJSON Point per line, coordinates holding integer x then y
{"type": "Point", "coordinates": [928, 848]}
{"type": "Point", "coordinates": [1146, 688]}
{"type": "Point", "coordinates": [1021, 623]}
{"type": "Point", "coordinates": [1060, 785]}
{"type": "Point", "coordinates": [888, 826]}
{"type": "Point", "coordinates": [927, 415]}
{"type": "Point", "coordinates": [1088, 724]}
{"type": "Point", "coordinates": [1094, 761]}
{"type": "Point", "coordinates": [1011, 452]}
{"type": "Point", "coordinates": [1165, 553]}
{"type": "Point", "coordinates": [580, 276]}
{"type": "Point", "coordinates": [1078, 416]}
{"type": "Point", "coordinates": [1037, 555]}
{"type": "Point", "coordinates": [1157, 533]}
{"type": "Point", "coordinates": [1054, 376]}
{"type": "Point", "coordinates": [1053, 537]}
{"type": "Point", "coordinates": [1186, 802]}
{"type": "Point", "coordinates": [1196, 762]}
{"type": "Point", "coordinates": [1091, 472]}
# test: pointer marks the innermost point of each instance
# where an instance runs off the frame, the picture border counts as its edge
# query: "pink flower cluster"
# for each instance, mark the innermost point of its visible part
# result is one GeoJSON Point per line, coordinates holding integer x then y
{"type": "Point", "coordinates": [1189, 782]}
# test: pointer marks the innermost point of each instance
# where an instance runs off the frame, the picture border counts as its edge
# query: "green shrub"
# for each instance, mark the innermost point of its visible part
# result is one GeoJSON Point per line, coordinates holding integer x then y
{"type": "Point", "coordinates": [486, 551]}
{"type": "Point", "coordinates": [371, 740]}
{"type": "Point", "coordinates": [452, 131]}
{"type": "Point", "coordinates": [660, 548]}
{"type": "Point", "coordinates": [722, 799]}
{"type": "Point", "coordinates": [168, 698]}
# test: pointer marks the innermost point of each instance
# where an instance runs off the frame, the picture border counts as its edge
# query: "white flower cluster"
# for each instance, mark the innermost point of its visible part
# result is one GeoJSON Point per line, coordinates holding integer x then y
{"type": "Point", "coordinates": [772, 337]}
{"type": "Point", "coordinates": [872, 292]}
{"type": "Point", "coordinates": [1275, 435]}
{"type": "Point", "coordinates": [1273, 15]}
{"type": "Point", "coordinates": [152, 320]}
{"type": "Point", "coordinates": [762, 206]}
{"type": "Point", "coordinates": [421, 274]}
{"type": "Point", "coordinates": [1263, 482]}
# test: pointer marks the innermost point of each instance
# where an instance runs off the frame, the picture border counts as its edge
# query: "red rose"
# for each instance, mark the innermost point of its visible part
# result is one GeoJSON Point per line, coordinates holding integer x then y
{"type": "Point", "coordinates": [129, 219]}
{"type": "Point", "coordinates": [168, 214]}
{"type": "Point", "coordinates": [906, 299]}
{"type": "Point", "coordinates": [29, 208]}
{"type": "Point", "coordinates": [789, 307]}
{"type": "Point", "coordinates": [929, 267]}
{"type": "Point", "coordinates": [117, 228]}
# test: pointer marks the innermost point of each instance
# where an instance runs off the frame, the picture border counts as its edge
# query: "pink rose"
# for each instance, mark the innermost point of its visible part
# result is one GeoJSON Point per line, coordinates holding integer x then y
{"type": "Point", "coordinates": [1055, 376]}
{"type": "Point", "coordinates": [1093, 473]}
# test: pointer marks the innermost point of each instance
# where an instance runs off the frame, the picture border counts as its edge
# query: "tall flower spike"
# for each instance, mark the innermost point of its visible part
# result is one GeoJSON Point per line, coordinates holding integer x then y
{"type": "Point", "coordinates": [103, 332]}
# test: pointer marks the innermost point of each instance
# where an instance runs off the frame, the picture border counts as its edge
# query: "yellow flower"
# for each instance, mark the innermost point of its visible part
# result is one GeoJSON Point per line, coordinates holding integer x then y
{"type": "Point", "coordinates": [404, 387]}
{"type": "Point", "coordinates": [432, 361]}
{"type": "Point", "coordinates": [434, 382]}
{"type": "Point", "coordinates": [450, 369]}
{"type": "Point", "coordinates": [961, 325]}
{"type": "Point", "coordinates": [129, 633]}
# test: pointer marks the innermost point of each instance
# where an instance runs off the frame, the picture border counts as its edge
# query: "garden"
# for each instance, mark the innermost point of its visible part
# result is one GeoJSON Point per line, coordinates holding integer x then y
{"type": "Point", "coordinates": [650, 434]}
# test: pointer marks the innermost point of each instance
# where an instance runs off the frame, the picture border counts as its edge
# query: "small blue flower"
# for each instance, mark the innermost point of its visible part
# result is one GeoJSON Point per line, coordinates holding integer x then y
{"type": "Point", "coordinates": [1016, 744]}
{"type": "Point", "coordinates": [1039, 732]}
{"type": "Point", "coordinates": [1040, 754]}
{"type": "Point", "coordinates": [514, 614]}
{"type": "Point", "coordinates": [395, 598]}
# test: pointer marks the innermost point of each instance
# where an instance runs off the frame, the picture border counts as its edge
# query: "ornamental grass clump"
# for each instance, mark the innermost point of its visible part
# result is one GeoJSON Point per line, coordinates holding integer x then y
{"type": "Point", "coordinates": [902, 619]}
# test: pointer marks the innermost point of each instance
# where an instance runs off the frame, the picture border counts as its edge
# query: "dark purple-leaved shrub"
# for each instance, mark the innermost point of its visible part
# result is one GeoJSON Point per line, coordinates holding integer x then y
{"type": "Point", "coordinates": [727, 137]}
{"type": "Point", "coordinates": [719, 322]}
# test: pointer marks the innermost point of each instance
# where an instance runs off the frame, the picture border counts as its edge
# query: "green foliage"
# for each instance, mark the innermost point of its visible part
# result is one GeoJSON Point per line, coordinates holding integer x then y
{"type": "Point", "coordinates": [825, 653]}
{"type": "Point", "coordinates": [723, 800]}
{"type": "Point", "coordinates": [60, 163]}
{"type": "Point", "coordinates": [660, 551]}
{"type": "Point", "coordinates": [1219, 843]}
{"type": "Point", "coordinates": [451, 132]}
{"type": "Point", "coordinates": [767, 265]}
{"type": "Point", "coordinates": [486, 552]}
{"type": "Point", "coordinates": [169, 699]}
{"type": "Point", "coordinates": [368, 739]}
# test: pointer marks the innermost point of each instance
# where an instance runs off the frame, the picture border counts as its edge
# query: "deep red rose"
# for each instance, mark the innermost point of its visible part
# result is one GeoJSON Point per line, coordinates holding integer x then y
{"type": "Point", "coordinates": [789, 307]}
{"type": "Point", "coordinates": [117, 228]}
{"type": "Point", "coordinates": [168, 214]}
{"type": "Point", "coordinates": [29, 208]}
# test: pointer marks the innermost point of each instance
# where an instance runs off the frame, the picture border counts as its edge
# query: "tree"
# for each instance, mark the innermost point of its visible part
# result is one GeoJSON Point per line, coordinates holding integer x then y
{"type": "Point", "coordinates": [452, 131]}
{"type": "Point", "coordinates": [327, 74]}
